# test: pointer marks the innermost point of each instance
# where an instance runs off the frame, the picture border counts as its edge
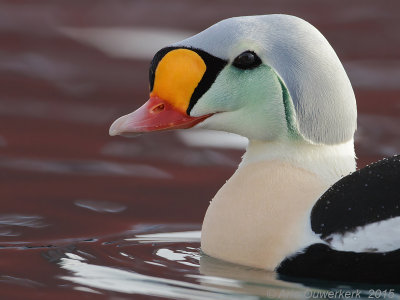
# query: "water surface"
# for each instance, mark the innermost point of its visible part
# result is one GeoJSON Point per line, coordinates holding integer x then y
{"type": "Point", "coordinates": [86, 215]}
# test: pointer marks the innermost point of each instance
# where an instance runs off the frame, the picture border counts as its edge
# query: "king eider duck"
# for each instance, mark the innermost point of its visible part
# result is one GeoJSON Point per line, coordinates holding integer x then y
{"type": "Point", "coordinates": [295, 204]}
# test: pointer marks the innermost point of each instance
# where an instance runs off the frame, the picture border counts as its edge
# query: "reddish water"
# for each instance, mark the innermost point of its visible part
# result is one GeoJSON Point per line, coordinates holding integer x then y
{"type": "Point", "coordinates": [72, 198]}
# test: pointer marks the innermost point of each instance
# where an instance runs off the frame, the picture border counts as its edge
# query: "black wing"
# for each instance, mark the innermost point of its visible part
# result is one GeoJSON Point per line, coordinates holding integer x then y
{"type": "Point", "coordinates": [366, 196]}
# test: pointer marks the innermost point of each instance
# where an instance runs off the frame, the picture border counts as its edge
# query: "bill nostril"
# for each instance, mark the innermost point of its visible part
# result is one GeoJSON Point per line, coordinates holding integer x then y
{"type": "Point", "coordinates": [158, 108]}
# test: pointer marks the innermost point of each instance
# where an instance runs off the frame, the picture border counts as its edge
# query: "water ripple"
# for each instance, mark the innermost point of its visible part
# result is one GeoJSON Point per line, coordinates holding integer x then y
{"type": "Point", "coordinates": [101, 168]}
{"type": "Point", "coordinates": [100, 206]}
{"type": "Point", "coordinates": [167, 237]}
{"type": "Point", "coordinates": [112, 279]}
{"type": "Point", "coordinates": [176, 154]}
{"type": "Point", "coordinates": [127, 42]}
{"type": "Point", "coordinates": [20, 281]}
{"type": "Point", "coordinates": [22, 221]}
{"type": "Point", "coordinates": [8, 223]}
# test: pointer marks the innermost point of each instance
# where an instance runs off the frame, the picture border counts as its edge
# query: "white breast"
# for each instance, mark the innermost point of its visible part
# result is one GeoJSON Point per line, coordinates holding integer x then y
{"type": "Point", "coordinates": [262, 214]}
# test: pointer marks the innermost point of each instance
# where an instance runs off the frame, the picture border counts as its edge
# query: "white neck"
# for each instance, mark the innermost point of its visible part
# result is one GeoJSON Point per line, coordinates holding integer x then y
{"type": "Point", "coordinates": [328, 162]}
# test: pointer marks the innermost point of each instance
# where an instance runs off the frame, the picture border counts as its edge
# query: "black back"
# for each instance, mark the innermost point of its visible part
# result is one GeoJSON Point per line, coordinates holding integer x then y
{"type": "Point", "coordinates": [322, 262]}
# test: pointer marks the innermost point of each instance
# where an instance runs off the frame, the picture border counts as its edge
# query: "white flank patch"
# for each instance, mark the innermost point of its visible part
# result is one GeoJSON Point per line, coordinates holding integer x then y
{"type": "Point", "coordinates": [134, 42]}
{"type": "Point", "coordinates": [376, 237]}
{"type": "Point", "coordinates": [213, 139]}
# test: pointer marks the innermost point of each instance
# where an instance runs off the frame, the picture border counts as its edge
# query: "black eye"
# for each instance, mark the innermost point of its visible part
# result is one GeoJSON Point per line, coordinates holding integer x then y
{"type": "Point", "coordinates": [247, 60]}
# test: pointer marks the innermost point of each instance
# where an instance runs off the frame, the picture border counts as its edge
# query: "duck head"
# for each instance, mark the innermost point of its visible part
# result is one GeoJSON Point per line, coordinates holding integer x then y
{"type": "Point", "coordinates": [267, 78]}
